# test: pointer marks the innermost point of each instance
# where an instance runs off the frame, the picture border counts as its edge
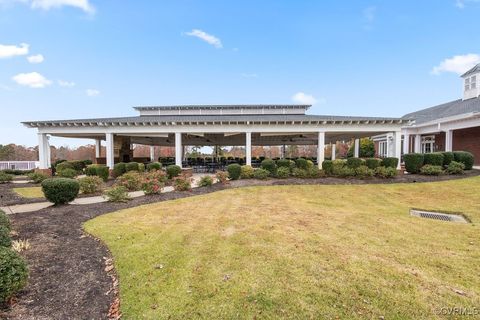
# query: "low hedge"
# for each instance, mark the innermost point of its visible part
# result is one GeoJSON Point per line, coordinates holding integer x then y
{"type": "Point", "coordinates": [13, 273]}
{"type": "Point", "coordinates": [283, 172]}
{"type": "Point", "coordinates": [431, 170]}
{"type": "Point", "coordinates": [67, 173]}
{"type": "Point", "coordinates": [448, 157]}
{"type": "Point", "coordinates": [154, 166]}
{"type": "Point", "coordinates": [5, 177]}
{"type": "Point", "coordinates": [119, 169]}
{"type": "Point", "coordinates": [285, 163]}
{"type": "Point", "coordinates": [234, 171]}
{"type": "Point", "coordinates": [4, 220]}
{"type": "Point", "coordinates": [301, 163]}
{"type": "Point", "coordinates": [355, 162]}
{"type": "Point", "coordinates": [261, 174]}
{"type": "Point", "coordinates": [132, 166]}
{"type": "Point", "coordinates": [327, 166]}
{"type": "Point", "coordinates": [270, 166]}
{"type": "Point", "coordinates": [464, 157]}
{"type": "Point", "coordinates": [373, 163]}
{"type": "Point", "coordinates": [173, 171]}
{"type": "Point", "coordinates": [434, 159]}
{"type": "Point", "coordinates": [98, 170]}
{"type": "Point", "coordinates": [455, 167]}
{"type": "Point", "coordinates": [390, 162]}
{"type": "Point", "coordinates": [246, 172]}
{"type": "Point", "coordinates": [60, 190]}
{"type": "Point", "coordinates": [37, 177]}
{"type": "Point", "coordinates": [413, 162]}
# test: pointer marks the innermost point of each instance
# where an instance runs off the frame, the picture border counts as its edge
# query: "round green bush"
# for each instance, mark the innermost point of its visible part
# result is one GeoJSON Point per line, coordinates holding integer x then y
{"type": "Point", "coordinates": [90, 184]}
{"type": "Point", "coordinates": [455, 167]}
{"type": "Point", "coordinates": [119, 169]}
{"type": "Point", "coordinates": [131, 180]}
{"type": "Point", "coordinates": [261, 174]}
{"type": "Point", "coordinates": [448, 157]}
{"type": "Point", "coordinates": [246, 172]}
{"type": "Point", "coordinates": [67, 173]}
{"type": "Point", "coordinates": [132, 166]}
{"type": "Point", "coordinates": [300, 173]}
{"type": "Point", "coordinates": [283, 172]}
{"type": "Point", "coordinates": [413, 162]}
{"type": "Point", "coordinates": [373, 163]}
{"type": "Point", "coordinates": [103, 172]}
{"type": "Point", "coordinates": [327, 166]}
{"type": "Point", "coordinates": [173, 171]}
{"type": "Point", "coordinates": [13, 273]}
{"type": "Point", "coordinates": [234, 171]}
{"type": "Point", "coordinates": [301, 163]}
{"type": "Point", "coordinates": [434, 158]}
{"type": "Point", "coordinates": [383, 172]}
{"type": "Point", "coordinates": [363, 172]}
{"type": "Point", "coordinates": [270, 166]}
{"type": "Point", "coordinates": [390, 162]}
{"type": "Point", "coordinates": [154, 166]}
{"type": "Point", "coordinates": [464, 157]}
{"type": "Point", "coordinates": [285, 163]}
{"type": "Point", "coordinates": [4, 220]}
{"type": "Point", "coordinates": [91, 170]}
{"type": "Point", "coordinates": [355, 162]}
{"type": "Point", "coordinates": [60, 190]}
{"type": "Point", "coordinates": [64, 165]}
{"type": "Point", "coordinates": [5, 240]}
{"type": "Point", "coordinates": [5, 177]}
{"type": "Point", "coordinates": [431, 170]}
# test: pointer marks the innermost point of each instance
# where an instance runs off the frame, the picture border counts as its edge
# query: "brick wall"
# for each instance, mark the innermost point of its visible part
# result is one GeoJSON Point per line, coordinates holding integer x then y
{"type": "Point", "coordinates": [468, 140]}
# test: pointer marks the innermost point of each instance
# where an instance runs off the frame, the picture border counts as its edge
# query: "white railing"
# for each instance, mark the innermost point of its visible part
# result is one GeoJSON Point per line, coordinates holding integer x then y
{"type": "Point", "coordinates": [19, 165]}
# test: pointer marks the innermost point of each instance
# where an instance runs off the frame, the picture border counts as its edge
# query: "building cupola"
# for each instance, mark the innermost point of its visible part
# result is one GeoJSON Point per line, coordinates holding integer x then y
{"type": "Point", "coordinates": [471, 83]}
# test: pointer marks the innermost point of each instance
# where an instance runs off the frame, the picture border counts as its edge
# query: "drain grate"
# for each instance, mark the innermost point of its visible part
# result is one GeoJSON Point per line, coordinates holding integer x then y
{"type": "Point", "coordinates": [438, 216]}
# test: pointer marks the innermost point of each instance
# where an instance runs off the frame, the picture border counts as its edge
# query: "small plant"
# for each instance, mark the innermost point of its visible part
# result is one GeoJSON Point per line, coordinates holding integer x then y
{"type": "Point", "coordinates": [4, 220]}
{"type": "Point", "coordinates": [355, 162]}
{"type": "Point", "coordinates": [383, 172]}
{"type": "Point", "coordinates": [390, 162]}
{"type": "Point", "coordinates": [448, 157]}
{"type": "Point", "coordinates": [373, 163]}
{"type": "Point", "coordinates": [5, 240]}
{"type": "Point", "coordinates": [182, 183]}
{"type": "Point", "coordinates": [37, 177]}
{"type": "Point", "coordinates": [301, 163]}
{"type": "Point", "coordinates": [246, 172]}
{"type": "Point", "coordinates": [131, 180]}
{"type": "Point", "coordinates": [98, 170]}
{"type": "Point", "coordinates": [132, 166]}
{"type": "Point", "coordinates": [119, 169]}
{"type": "Point", "coordinates": [337, 167]}
{"type": "Point", "coordinates": [283, 172]}
{"type": "Point", "coordinates": [345, 172]}
{"type": "Point", "coordinates": [154, 166]}
{"type": "Point", "coordinates": [434, 159]}
{"type": "Point", "coordinates": [285, 163]}
{"type": "Point", "coordinates": [116, 194]}
{"type": "Point", "coordinates": [154, 181]}
{"type": "Point", "coordinates": [234, 171]}
{"type": "Point", "coordinates": [327, 166]}
{"type": "Point", "coordinates": [314, 172]}
{"type": "Point", "coordinates": [431, 170]}
{"type": "Point", "coordinates": [455, 167]}
{"type": "Point", "coordinates": [90, 184]}
{"type": "Point", "coordinates": [270, 166]}
{"type": "Point", "coordinates": [261, 174]}
{"type": "Point", "coordinates": [363, 172]}
{"type": "Point", "coordinates": [5, 177]}
{"type": "Point", "coordinates": [173, 171]}
{"type": "Point", "coordinates": [67, 173]}
{"type": "Point", "coordinates": [300, 173]}
{"type": "Point", "coordinates": [20, 245]}
{"type": "Point", "coordinates": [13, 273]}
{"type": "Point", "coordinates": [60, 190]}
{"type": "Point", "coordinates": [222, 177]}
{"type": "Point", "coordinates": [464, 157]}
{"type": "Point", "coordinates": [205, 181]}
{"type": "Point", "coordinates": [413, 162]}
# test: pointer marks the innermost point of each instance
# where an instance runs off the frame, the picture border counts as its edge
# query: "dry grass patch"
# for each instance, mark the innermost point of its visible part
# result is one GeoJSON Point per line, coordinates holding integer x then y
{"type": "Point", "coordinates": [29, 192]}
{"type": "Point", "coordinates": [298, 252]}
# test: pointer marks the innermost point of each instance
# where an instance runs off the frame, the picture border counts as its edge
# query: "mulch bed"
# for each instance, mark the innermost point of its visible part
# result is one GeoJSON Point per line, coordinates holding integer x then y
{"type": "Point", "coordinates": [70, 273]}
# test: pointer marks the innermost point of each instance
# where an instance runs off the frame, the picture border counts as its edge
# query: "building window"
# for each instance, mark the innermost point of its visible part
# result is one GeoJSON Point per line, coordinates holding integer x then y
{"type": "Point", "coordinates": [473, 82]}
{"type": "Point", "coordinates": [467, 84]}
{"type": "Point", "coordinates": [428, 144]}
{"type": "Point", "coordinates": [382, 149]}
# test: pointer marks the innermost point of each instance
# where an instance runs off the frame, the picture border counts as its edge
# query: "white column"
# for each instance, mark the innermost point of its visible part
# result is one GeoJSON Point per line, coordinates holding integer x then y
{"type": "Point", "coordinates": [98, 148]}
{"type": "Point", "coordinates": [449, 140]}
{"type": "Point", "coordinates": [48, 152]}
{"type": "Point", "coordinates": [178, 149]}
{"type": "Point", "coordinates": [152, 153]}
{"type": "Point", "coordinates": [110, 150]}
{"type": "Point", "coordinates": [406, 143]}
{"type": "Point", "coordinates": [42, 151]}
{"type": "Point", "coordinates": [418, 143]}
{"type": "Point", "coordinates": [334, 150]}
{"type": "Point", "coordinates": [356, 148]}
{"type": "Point", "coordinates": [398, 147]}
{"type": "Point", "coordinates": [321, 149]}
{"type": "Point", "coordinates": [248, 148]}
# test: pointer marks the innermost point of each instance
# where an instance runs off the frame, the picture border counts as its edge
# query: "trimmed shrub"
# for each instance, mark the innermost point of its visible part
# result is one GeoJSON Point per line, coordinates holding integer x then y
{"type": "Point", "coordinates": [464, 157]}
{"type": "Point", "coordinates": [355, 162]}
{"type": "Point", "coordinates": [64, 165]}
{"type": "Point", "coordinates": [337, 166]}
{"type": "Point", "coordinates": [119, 169]}
{"type": "Point", "coordinates": [413, 162]}
{"type": "Point", "coordinates": [390, 162]}
{"type": "Point", "coordinates": [301, 163]}
{"type": "Point", "coordinates": [234, 171]}
{"type": "Point", "coordinates": [67, 173]}
{"type": "Point", "coordinates": [327, 166]}
{"type": "Point", "coordinates": [246, 172]}
{"type": "Point", "coordinates": [141, 167]}
{"type": "Point", "coordinates": [345, 172]}
{"type": "Point", "coordinates": [283, 172]}
{"type": "Point", "coordinates": [448, 157]}
{"type": "Point", "coordinates": [91, 170]}
{"type": "Point", "coordinates": [37, 177]}
{"type": "Point", "coordinates": [285, 163]}
{"type": "Point", "coordinates": [132, 166]}
{"type": "Point", "coordinates": [13, 273]}
{"type": "Point", "coordinates": [99, 170]}
{"type": "Point", "coordinates": [5, 177]}
{"type": "Point", "coordinates": [153, 182]}
{"type": "Point", "coordinates": [222, 177]}
{"type": "Point", "coordinates": [116, 194]}
{"type": "Point", "coordinates": [17, 172]}
{"type": "Point", "coordinates": [154, 166]}
{"type": "Point", "coordinates": [300, 173]}
{"type": "Point", "coordinates": [270, 166]}
{"type": "Point", "coordinates": [373, 163]}
{"type": "Point", "coordinates": [383, 172]}
{"type": "Point", "coordinates": [455, 167]}
{"type": "Point", "coordinates": [4, 220]}
{"type": "Point", "coordinates": [205, 181]}
{"type": "Point", "coordinates": [60, 190]}
{"type": "Point", "coordinates": [261, 174]}
{"type": "Point", "coordinates": [90, 184]}
{"type": "Point", "coordinates": [363, 172]}
{"type": "Point", "coordinates": [434, 158]}
{"type": "Point", "coordinates": [5, 240]}
{"type": "Point", "coordinates": [131, 180]}
{"type": "Point", "coordinates": [314, 172]}
{"type": "Point", "coordinates": [173, 171]}
{"type": "Point", "coordinates": [431, 170]}
{"type": "Point", "coordinates": [182, 183]}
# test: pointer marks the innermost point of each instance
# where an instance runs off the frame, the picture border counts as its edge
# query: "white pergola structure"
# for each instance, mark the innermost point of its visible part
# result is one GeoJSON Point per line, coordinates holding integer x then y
{"type": "Point", "coordinates": [218, 125]}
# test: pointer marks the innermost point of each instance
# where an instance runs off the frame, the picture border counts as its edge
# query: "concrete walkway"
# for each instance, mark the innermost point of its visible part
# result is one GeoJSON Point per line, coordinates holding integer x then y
{"type": "Point", "coordinates": [30, 207]}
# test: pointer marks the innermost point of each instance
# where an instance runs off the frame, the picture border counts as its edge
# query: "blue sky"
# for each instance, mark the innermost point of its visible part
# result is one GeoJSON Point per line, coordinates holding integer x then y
{"type": "Point", "coordinates": [65, 59]}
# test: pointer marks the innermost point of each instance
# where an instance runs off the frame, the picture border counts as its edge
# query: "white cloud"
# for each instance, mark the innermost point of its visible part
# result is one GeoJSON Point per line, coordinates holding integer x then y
{"type": "Point", "coordinates": [68, 84]}
{"type": "Point", "coordinates": [210, 39]}
{"type": "Point", "coordinates": [38, 58]}
{"type": "Point", "coordinates": [303, 98]}
{"type": "Point", "coordinates": [49, 4]}
{"type": "Point", "coordinates": [92, 92]}
{"type": "Point", "coordinates": [457, 64]}
{"type": "Point", "coordinates": [462, 3]}
{"type": "Point", "coordinates": [249, 75]}
{"type": "Point", "coordinates": [32, 80]}
{"type": "Point", "coordinates": [8, 51]}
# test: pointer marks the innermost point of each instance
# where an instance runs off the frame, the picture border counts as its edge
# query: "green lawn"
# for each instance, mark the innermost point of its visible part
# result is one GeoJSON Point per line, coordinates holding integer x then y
{"type": "Point", "coordinates": [29, 192]}
{"type": "Point", "coordinates": [298, 252]}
